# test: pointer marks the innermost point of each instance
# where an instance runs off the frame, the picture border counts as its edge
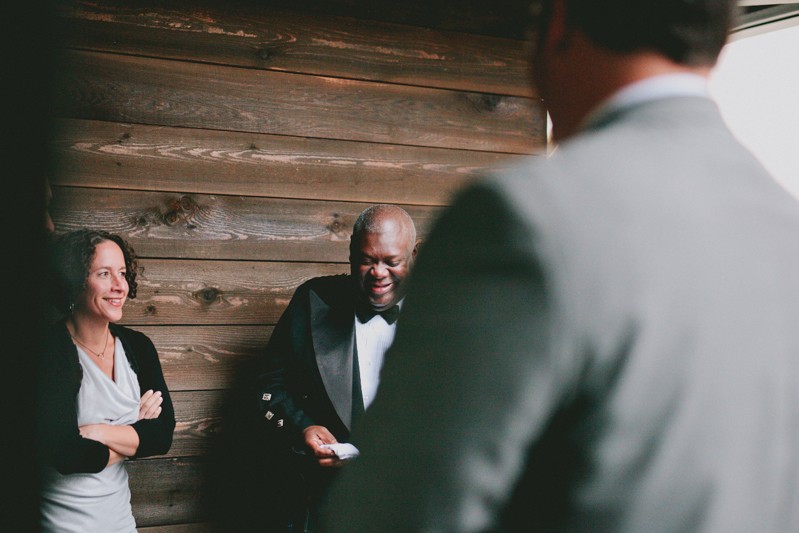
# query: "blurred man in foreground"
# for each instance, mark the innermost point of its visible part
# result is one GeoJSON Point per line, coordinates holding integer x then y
{"type": "Point", "coordinates": [606, 340]}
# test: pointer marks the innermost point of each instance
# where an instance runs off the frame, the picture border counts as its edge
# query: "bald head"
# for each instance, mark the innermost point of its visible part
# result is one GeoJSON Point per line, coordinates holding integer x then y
{"type": "Point", "coordinates": [382, 251]}
{"type": "Point", "coordinates": [383, 217]}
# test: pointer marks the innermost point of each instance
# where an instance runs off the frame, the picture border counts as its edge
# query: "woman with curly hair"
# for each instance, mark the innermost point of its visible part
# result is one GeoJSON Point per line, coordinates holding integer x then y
{"type": "Point", "coordinates": [103, 395]}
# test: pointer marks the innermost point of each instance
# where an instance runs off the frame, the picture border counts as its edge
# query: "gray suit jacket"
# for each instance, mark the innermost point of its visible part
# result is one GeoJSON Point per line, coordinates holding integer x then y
{"type": "Point", "coordinates": [607, 340]}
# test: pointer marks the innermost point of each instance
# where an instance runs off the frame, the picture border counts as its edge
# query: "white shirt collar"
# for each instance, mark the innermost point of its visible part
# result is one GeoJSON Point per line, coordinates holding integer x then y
{"type": "Point", "coordinates": [649, 89]}
{"type": "Point", "coordinates": [373, 339]}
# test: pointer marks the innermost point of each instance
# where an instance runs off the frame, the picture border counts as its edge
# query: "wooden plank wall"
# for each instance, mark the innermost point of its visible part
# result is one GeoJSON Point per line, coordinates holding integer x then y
{"type": "Point", "coordinates": [235, 145]}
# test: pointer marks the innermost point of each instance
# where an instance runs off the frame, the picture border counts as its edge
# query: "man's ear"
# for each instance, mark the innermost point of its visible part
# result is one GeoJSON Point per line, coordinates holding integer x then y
{"type": "Point", "coordinates": [416, 248]}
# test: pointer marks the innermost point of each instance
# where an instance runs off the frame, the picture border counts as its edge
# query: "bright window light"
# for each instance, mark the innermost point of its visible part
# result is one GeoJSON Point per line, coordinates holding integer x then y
{"type": "Point", "coordinates": [756, 84]}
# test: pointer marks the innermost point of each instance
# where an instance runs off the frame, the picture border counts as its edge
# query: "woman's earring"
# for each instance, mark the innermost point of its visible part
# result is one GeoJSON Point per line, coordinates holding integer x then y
{"type": "Point", "coordinates": [71, 307]}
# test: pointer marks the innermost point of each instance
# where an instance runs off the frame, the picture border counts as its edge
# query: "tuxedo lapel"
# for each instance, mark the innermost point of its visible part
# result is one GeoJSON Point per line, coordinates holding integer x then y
{"type": "Point", "coordinates": [333, 335]}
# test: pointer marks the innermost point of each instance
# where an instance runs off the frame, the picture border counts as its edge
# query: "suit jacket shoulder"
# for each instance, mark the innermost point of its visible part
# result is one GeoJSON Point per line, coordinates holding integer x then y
{"type": "Point", "coordinates": [335, 290]}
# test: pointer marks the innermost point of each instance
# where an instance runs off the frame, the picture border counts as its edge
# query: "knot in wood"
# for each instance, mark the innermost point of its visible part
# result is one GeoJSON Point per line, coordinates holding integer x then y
{"type": "Point", "coordinates": [172, 218]}
{"type": "Point", "coordinates": [265, 53]}
{"type": "Point", "coordinates": [150, 309]}
{"type": "Point", "coordinates": [484, 102]}
{"type": "Point", "coordinates": [335, 227]}
{"type": "Point", "coordinates": [208, 295]}
{"type": "Point", "coordinates": [490, 101]}
{"type": "Point", "coordinates": [181, 209]}
{"type": "Point", "coordinates": [187, 204]}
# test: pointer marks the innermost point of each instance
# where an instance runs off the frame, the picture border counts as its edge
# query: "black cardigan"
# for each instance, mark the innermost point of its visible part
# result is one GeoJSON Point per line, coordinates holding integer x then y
{"type": "Point", "coordinates": [60, 376]}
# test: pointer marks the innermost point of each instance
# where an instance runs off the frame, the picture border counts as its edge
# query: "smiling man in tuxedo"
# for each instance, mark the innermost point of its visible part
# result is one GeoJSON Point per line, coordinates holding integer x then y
{"type": "Point", "coordinates": [322, 364]}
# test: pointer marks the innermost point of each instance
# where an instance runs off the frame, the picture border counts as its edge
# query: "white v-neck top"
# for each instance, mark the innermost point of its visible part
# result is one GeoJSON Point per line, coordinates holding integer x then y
{"type": "Point", "coordinates": [97, 502]}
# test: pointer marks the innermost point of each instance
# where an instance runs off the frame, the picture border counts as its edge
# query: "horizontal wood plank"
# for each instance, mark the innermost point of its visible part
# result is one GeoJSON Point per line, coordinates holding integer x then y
{"type": "Point", "coordinates": [199, 420]}
{"type": "Point", "coordinates": [167, 490]}
{"type": "Point", "coordinates": [218, 227]}
{"type": "Point", "coordinates": [202, 417]}
{"type": "Point", "coordinates": [131, 156]}
{"type": "Point", "coordinates": [205, 527]}
{"type": "Point", "coordinates": [205, 357]}
{"type": "Point", "coordinates": [217, 292]}
{"type": "Point", "coordinates": [234, 484]}
{"type": "Point", "coordinates": [202, 365]}
{"type": "Point", "coordinates": [271, 39]}
{"type": "Point", "coordinates": [511, 19]}
{"type": "Point", "coordinates": [176, 93]}
{"type": "Point", "coordinates": [502, 18]}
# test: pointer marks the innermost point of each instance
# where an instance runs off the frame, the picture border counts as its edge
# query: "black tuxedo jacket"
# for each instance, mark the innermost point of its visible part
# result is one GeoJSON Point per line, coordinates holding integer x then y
{"type": "Point", "coordinates": [264, 476]}
{"type": "Point", "coordinates": [309, 373]}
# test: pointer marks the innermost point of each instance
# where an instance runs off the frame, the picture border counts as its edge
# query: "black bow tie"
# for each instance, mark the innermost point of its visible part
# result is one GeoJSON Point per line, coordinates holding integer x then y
{"type": "Point", "coordinates": [366, 313]}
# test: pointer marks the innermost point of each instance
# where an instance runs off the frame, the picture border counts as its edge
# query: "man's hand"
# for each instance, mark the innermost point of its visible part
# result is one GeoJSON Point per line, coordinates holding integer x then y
{"type": "Point", "coordinates": [150, 405]}
{"type": "Point", "coordinates": [314, 437]}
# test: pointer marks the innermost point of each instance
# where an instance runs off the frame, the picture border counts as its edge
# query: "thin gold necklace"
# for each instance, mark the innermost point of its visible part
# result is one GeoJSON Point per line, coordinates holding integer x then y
{"type": "Point", "coordinates": [101, 355]}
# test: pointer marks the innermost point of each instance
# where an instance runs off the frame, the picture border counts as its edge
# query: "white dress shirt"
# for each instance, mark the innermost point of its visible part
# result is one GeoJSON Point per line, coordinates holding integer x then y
{"type": "Point", "coordinates": [373, 339]}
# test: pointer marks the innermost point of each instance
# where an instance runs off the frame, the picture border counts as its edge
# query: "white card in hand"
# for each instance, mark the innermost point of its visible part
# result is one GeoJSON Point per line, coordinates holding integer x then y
{"type": "Point", "coordinates": [343, 450]}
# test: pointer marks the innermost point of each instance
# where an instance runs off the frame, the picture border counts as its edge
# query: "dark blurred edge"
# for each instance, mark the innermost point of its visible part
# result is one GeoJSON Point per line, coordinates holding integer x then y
{"type": "Point", "coordinates": [26, 70]}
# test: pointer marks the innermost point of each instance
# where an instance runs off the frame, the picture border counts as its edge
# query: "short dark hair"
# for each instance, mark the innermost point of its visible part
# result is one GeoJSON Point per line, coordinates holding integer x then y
{"type": "Point", "coordinates": [689, 32]}
{"type": "Point", "coordinates": [70, 258]}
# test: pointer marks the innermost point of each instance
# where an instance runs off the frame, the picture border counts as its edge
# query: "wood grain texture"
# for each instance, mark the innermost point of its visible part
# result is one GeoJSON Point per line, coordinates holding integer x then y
{"type": "Point", "coordinates": [131, 156]}
{"type": "Point", "coordinates": [205, 357]}
{"type": "Point", "coordinates": [218, 227]}
{"type": "Point", "coordinates": [272, 39]}
{"type": "Point", "coordinates": [502, 18]}
{"type": "Point", "coordinates": [198, 416]}
{"type": "Point", "coordinates": [217, 292]}
{"type": "Point", "coordinates": [512, 19]}
{"type": "Point", "coordinates": [196, 527]}
{"type": "Point", "coordinates": [167, 491]}
{"type": "Point", "coordinates": [175, 93]}
{"type": "Point", "coordinates": [234, 144]}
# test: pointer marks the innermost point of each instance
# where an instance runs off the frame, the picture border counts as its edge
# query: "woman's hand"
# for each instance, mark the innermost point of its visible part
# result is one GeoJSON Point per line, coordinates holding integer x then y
{"type": "Point", "coordinates": [94, 432]}
{"type": "Point", "coordinates": [123, 441]}
{"type": "Point", "coordinates": [150, 405]}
